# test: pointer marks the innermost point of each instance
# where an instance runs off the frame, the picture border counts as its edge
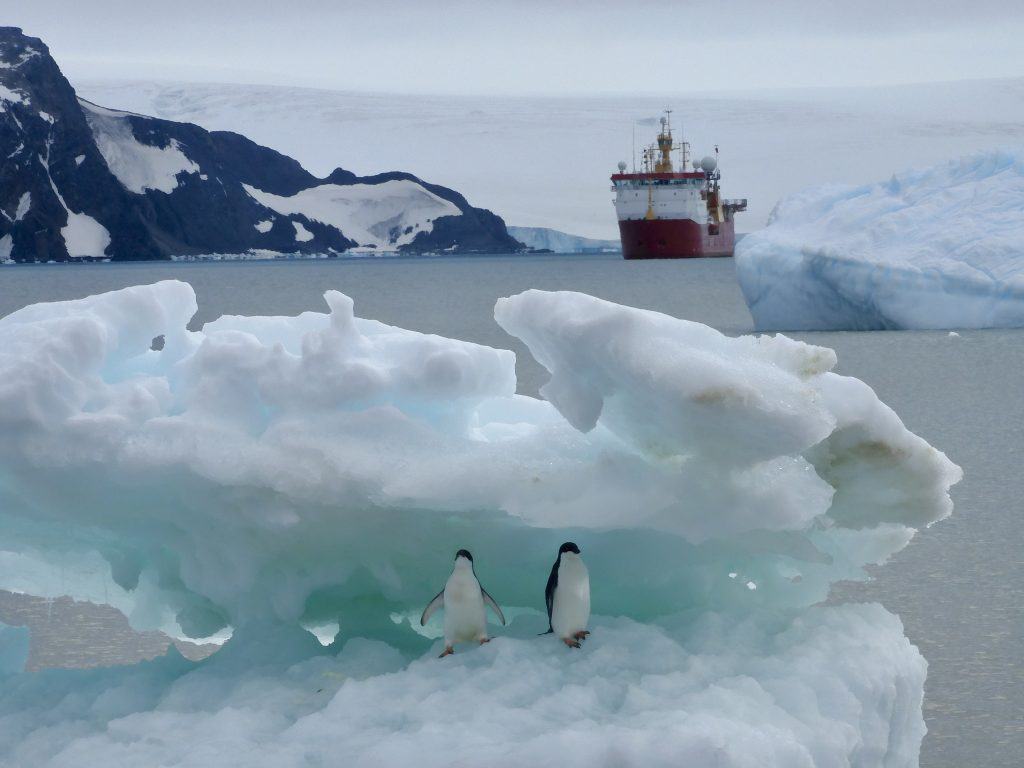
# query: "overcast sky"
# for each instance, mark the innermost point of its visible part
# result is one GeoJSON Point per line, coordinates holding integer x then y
{"type": "Point", "coordinates": [558, 46]}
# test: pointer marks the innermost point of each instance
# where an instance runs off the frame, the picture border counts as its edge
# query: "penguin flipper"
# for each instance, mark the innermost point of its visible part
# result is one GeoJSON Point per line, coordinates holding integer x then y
{"type": "Point", "coordinates": [549, 592]}
{"type": "Point", "coordinates": [432, 606]}
{"type": "Point", "coordinates": [494, 605]}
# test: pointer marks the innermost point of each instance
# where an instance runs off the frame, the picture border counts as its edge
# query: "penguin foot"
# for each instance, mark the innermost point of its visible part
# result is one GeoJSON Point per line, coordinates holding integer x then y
{"type": "Point", "coordinates": [448, 651]}
{"type": "Point", "coordinates": [581, 635]}
{"type": "Point", "coordinates": [571, 642]}
{"type": "Point", "coordinates": [484, 640]}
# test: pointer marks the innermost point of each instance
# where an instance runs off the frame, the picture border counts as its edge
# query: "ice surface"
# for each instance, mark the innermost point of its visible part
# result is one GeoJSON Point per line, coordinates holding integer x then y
{"type": "Point", "coordinates": [136, 165]}
{"type": "Point", "coordinates": [384, 215]}
{"type": "Point", "coordinates": [267, 472]}
{"type": "Point", "coordinates": [14, 647]}
{"type": "Point", "coordinates": [936, 248]}
{"type": "Point", "coordinates": [560, 242]}
{"type": "Point", "coordinates": [839, 686]}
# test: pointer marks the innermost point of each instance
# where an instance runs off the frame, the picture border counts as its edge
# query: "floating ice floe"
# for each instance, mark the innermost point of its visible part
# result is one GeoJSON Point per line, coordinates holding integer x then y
{"type": "Point", "coordinates": [936, 248]}
{"type": "Point", "coordinates": [268, 473]}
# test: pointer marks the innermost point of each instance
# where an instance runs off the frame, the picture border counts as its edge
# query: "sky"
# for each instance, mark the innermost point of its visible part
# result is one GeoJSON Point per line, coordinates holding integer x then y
{"type": "Point", "coordinates": [531, 47]}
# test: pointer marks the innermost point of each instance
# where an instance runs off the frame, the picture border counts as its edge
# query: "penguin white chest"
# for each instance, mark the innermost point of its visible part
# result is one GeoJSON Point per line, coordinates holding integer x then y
{"type": "Point", "coordinates": [570, 609]}
{"type": "Point", "coordinates": [465, 617]}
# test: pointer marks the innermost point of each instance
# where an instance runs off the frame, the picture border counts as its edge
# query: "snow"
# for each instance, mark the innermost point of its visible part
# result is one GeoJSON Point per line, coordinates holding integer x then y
{"type": "Point", "coordinates": [264, 473]}
{"type": "Point", "coordinates": [11, 97]}
{"type": "Point", "coordinates": [6, 246]}
{"type": "Point", "coordinates": [79, 159]}
{"type": "Point", "coordinates": [836, 690]}
{"type": "Point", "coordinates": [24, 204]}
{"type": "Point", "coordinates": [302, 234]}
{"type": "Point", "coordinates": [264, 226]}
{"type": "Point", "coordinates": [521, 156]}
{"type": "Point", "coordinates": [941, 247]}
{"type": "Point", "coordinates": [84, 236]}
{"type": "Point", "coordinates": [385, 215]}
{"type": "Point", "coordinates": [26, 54]}
{"type": "Point", "coordinates": [139, 167]}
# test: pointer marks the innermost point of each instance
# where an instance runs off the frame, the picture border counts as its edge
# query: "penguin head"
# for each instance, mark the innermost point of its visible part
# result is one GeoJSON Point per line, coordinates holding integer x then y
{"type": "Point", "coordinates": [568, 547]}
{"type": "Point", "coordinates": [464, 553]}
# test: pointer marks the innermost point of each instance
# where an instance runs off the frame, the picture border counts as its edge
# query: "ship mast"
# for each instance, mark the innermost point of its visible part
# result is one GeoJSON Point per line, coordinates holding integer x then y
{"type": "Point", "coordinates": [664, 163]}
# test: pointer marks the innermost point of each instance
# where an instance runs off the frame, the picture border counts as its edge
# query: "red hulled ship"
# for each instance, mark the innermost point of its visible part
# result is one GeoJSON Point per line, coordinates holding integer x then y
{"type": "Point", "coordinates": [669, 214]}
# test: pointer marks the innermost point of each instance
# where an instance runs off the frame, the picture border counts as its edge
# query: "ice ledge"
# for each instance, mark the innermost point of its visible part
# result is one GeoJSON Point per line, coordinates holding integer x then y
{"type": "Point", "coordinates": [936, 248]}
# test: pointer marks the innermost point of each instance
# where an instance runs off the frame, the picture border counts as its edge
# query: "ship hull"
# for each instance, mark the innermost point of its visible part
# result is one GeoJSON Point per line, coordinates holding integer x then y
{"type": "Point", "coordinates": [674, 239]}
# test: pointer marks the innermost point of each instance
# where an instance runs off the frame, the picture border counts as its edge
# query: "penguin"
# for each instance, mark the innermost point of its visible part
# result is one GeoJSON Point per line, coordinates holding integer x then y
{"type": "Point", "coordinates": [568, 596]}
{"type": "Point", "coordinates": [464, 602]}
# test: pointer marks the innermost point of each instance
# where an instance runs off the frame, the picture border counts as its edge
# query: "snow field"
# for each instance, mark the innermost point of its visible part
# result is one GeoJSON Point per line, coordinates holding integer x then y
{"type": "Point", "coordinates": [385, 215]}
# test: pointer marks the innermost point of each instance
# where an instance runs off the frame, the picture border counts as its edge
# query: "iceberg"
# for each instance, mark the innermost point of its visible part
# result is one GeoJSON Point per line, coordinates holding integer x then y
{"type": "Point", "coordinates": [936, 248]}
{"type": "Point", "coordinates": [265, 475]}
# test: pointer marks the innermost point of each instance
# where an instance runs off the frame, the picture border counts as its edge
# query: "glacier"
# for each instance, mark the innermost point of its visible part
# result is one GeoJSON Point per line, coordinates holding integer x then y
{"type": "Point", "coordinates": [937, 248]}
{"type": "Point", "coordinates": [265, 475]}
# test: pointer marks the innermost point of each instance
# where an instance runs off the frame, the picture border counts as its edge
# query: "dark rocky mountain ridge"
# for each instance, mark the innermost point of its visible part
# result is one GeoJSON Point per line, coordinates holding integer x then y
{"type": "Point", "coordinates": [81, 181]}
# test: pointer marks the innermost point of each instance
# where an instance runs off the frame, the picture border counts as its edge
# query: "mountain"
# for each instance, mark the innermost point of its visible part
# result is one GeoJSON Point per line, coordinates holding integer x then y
{"type": "Point", "coordinates": [82, 181]}
{"type": "Point", "coordinates": [542, 238]}
{"type": "Point", "coordinates": [545, 161]}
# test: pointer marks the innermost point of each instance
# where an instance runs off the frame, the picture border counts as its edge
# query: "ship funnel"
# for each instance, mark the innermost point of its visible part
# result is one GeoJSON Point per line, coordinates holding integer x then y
{"type": "Point", "coordinates": [708, 164]}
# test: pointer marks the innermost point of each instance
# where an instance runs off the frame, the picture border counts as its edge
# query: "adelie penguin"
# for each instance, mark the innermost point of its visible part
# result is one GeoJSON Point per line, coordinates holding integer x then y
{"type": "Point", "coordinates": [463, 600]}
{"type": "Point", "coordinates": [568, 596]}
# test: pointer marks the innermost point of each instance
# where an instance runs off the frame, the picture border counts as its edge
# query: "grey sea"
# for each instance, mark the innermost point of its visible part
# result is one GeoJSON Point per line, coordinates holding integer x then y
{"type": "Point", "coordinates": [959, 586]}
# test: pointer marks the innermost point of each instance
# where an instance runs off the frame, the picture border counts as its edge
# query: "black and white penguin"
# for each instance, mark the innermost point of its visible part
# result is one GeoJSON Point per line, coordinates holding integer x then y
{"type": "Point", "coordinates": [463, 600]}
{"type": "Point", "coordinates": [568, 596]}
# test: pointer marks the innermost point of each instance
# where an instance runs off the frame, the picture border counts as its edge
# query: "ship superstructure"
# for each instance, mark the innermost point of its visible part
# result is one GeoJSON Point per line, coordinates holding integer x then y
{"type": "Point", "coordinates": [665, 213]}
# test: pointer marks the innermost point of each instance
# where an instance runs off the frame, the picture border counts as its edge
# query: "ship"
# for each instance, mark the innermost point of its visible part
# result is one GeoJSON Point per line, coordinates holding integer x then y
{"type": "Point", "coordinates": [665, 213]}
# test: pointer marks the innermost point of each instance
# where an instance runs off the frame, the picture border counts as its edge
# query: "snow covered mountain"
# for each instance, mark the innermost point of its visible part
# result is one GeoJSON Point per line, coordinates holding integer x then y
{"type": "Point", "coordinates": [544, 161]}
{"type": "Point", "coordinates": [82, 181]}
{"type": "Point", "coordinates": [941, 247]}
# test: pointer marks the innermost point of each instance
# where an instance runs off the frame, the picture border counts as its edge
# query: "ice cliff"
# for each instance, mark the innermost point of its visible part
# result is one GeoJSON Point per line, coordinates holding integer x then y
{"type": "Point", "coordinates": [269, 473]}
{"type": "Point", "coordinates": [941, 247]}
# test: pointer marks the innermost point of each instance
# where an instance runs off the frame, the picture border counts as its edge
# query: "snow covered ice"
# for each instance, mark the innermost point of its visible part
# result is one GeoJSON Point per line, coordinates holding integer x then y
{"type": "Point", "coordinates": [936, 248]}
{"type": "Point", "coordinates": [266, 474]}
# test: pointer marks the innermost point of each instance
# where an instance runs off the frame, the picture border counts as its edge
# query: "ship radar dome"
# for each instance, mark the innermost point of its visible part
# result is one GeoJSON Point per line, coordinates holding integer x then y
{"type": "Point", "coordinates": [708, 164]}
{"type": "Point", "coordinates": [622, 166]}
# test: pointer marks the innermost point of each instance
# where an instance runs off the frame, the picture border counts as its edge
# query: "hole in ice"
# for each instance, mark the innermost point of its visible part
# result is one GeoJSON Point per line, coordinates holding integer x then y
{"type": "Point", "coordinates": [158, 343]}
